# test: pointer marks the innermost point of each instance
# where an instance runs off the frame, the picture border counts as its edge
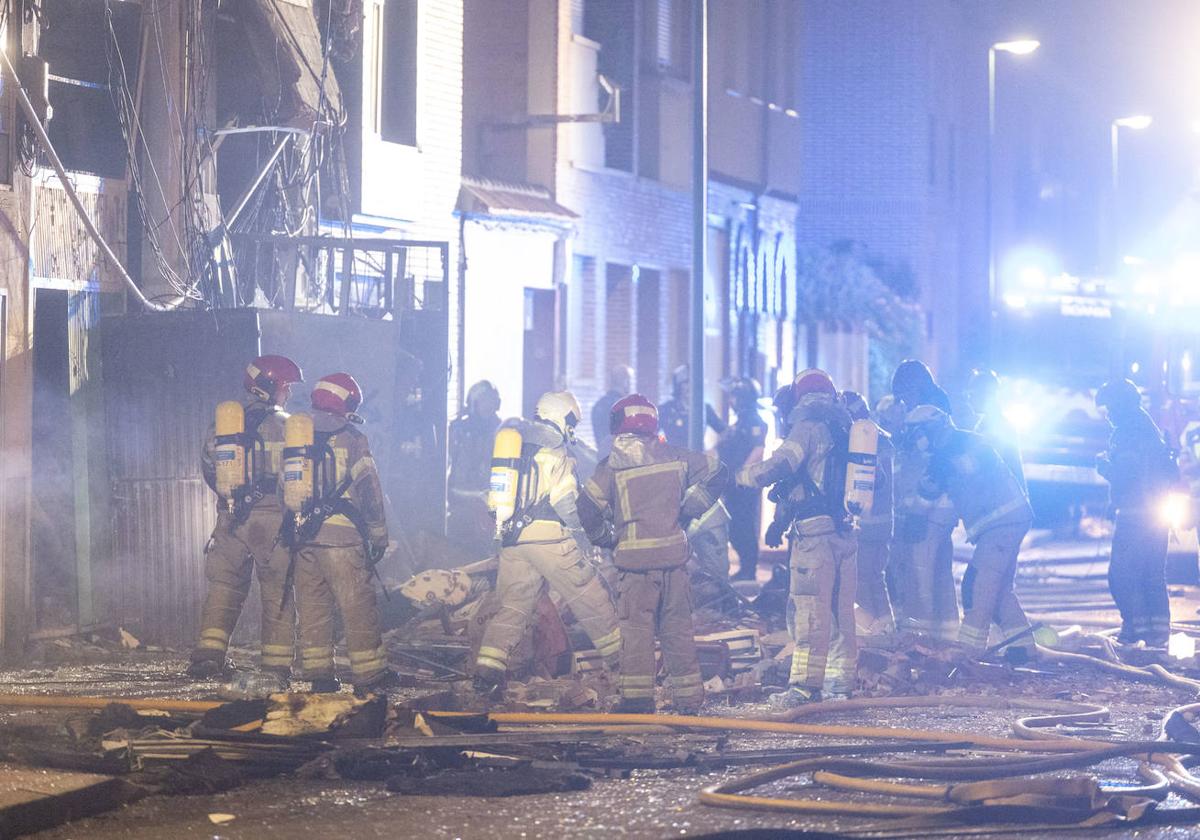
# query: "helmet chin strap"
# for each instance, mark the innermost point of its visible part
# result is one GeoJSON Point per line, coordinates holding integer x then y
{"type": "Point", "coordinates": [355, 418]}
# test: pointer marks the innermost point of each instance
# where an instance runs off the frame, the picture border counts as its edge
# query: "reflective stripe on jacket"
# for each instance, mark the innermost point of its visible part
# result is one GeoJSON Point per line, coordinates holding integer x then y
{"type": "Point", "coordinates": [646, 487]}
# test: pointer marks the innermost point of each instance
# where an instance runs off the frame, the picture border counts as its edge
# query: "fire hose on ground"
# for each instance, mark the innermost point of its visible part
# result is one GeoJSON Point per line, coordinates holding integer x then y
{"type": "Point", "coordinates": [981, 788]}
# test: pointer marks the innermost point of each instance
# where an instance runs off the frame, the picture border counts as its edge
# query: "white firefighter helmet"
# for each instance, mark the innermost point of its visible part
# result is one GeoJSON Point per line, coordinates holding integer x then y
{"type": "Point", "coordinates": [561, 410]}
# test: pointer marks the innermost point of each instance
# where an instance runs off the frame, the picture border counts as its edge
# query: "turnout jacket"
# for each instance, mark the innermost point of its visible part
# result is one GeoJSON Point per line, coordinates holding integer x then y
{"type": "Point", "coordinates": [553, 489]}
{"type": "Point", "coordinates": [983, 489]}
{"type": "Point", "coordinates": [1137, 463]}
{"type": "Point", "coordinates": [808, 447]}
{"type": "Point", "coordinates": [267, 467]}
{"type": "Point", "coordinates": [350, 456]}
{"type": "Point", "coordinates": [647, 488]}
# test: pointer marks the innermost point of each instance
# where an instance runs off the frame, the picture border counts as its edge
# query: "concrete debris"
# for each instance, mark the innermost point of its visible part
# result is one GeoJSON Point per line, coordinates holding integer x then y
{"type": "Point", "coordinates": [221, 819]}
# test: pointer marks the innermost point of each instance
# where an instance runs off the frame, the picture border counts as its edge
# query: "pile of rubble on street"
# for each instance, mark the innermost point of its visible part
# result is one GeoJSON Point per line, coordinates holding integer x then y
{"type": "Point", "coordinates": [1063, 744]}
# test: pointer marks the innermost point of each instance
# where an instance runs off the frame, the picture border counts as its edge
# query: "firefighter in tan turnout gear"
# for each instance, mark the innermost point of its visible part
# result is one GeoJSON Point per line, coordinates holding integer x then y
{"type": "Point", "coordinates": [542, 539]}
{"type": "Point", "coordinates": [336, 533]}
{"type": "Point", "coordinates": [994, 510]}
{"type": "Point", "coordinates": [823, 548]}
{"type": "Point", "coordinates": [636, 501]}
{"type": "Point", "coordinates": [241, 463]}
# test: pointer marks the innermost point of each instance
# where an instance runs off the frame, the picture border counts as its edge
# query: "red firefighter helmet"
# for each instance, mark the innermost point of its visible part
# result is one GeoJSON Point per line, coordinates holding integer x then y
{"type": "Point", "coordinates": [266, 374]}
{"type": "Point", "coordinates": [813, 381]}
{"type": "Point", "coordinates": [633, 414]}
{"type": "Point", "coordinates": [337, 393]}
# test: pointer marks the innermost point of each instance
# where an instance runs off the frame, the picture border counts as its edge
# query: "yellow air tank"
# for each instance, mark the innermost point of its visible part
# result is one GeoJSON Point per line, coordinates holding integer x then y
{"type": "Point", "coordinates": [297, 462]}
{"type": "Point", "coordinates": [229, 457]}
{"type": "Point", "coordinates": [860, 471]}
{"type": "Point", "coordinates": [502, 496]}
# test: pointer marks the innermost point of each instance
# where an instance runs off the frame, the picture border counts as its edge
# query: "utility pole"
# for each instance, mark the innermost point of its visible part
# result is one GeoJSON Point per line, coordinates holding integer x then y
{"type": "Point", "coordinates": [699, 220]}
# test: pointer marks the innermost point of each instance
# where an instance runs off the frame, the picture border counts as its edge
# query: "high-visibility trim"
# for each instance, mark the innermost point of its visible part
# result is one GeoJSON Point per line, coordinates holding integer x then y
{"type": "Point", "coordinates": [623, 479]}
{"type": "Point", "coordinates": [340, 520]}
{"type": "Point", "coordinates": [214, 633]}
{"type": "Point", "coordinates": [284, 650]}
{"type": "Point", "coordinates": [688, 685]}
{"type": "Point", "coordinates": [637, 693]}
{"type": "Point", "coordinates": [678, 538]}
{"type": "Point", "coordinates": [973, 637]}
{"type": "Point", "coordinates": [495, 653]}
{"type": "Point", "coordinates": [792, 451]}
{"type": "Point", "coordinates": [608, 644]}
{"type": "Point", "coordinates": [487, 662]}
{"type": "Point", "coordinates": [211, 644]}
{"type": "Point", "coordinates": [983, 523]}
{"type": "Point", "coordinates": [637, 680]}
{"type": "Point", "coordinates": [364, 655]}
{"type": "Point", "coordinates": [596, 494]}
{"type": "Point", "coordinates": [360, 466]}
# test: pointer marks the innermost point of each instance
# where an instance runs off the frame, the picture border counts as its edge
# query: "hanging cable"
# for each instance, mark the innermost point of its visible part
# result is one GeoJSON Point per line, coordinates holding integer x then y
{"type": "Point", "coordinates": [92, 230]}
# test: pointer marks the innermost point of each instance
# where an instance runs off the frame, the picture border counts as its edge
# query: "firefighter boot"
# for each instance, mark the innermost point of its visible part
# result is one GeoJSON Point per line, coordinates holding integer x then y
{"type": "Point", "coordinates": [634, 706]}
{"type": "Point", "coordinates": [210, 668]}
{"type": "Point", "coordinates": [488, 683]}
{"type": "Point", "coordinates": [794, 697]}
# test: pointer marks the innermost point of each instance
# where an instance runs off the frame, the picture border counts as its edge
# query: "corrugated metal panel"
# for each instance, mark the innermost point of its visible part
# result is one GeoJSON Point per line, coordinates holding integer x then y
{"type": "Point", "coordinates": [162, 376]}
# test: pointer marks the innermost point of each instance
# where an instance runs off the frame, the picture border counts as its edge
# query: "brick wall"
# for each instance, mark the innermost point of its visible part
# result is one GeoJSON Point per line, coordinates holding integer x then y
{"type": "Point", "coordinates": [876, 149]}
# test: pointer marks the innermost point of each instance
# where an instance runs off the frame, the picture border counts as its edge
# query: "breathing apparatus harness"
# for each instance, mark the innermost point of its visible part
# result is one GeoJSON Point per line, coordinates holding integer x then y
{"type": "Point", "coordinates": [240, 453]}
{"type": "Point", "coordinates": [310, 467]}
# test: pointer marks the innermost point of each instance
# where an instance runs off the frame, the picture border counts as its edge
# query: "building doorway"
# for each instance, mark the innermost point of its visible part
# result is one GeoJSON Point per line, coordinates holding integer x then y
{"type": "Point", "coordinates": [52, 502]}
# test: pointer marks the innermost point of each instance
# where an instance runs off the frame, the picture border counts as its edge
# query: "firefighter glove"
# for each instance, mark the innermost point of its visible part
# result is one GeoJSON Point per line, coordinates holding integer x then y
{"type": "Point", "coordinates": [775, 532]}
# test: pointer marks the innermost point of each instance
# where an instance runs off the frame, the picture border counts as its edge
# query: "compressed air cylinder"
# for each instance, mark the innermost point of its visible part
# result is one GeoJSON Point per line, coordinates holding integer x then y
{"type": "Point", "coordinates": [297, 462]}
{"type": "Point", "coordinates": [502, 495]}
{"type": "Point", "coordinates": [229, 455]}
{"type": "Point", "coordinates": [860, 468]}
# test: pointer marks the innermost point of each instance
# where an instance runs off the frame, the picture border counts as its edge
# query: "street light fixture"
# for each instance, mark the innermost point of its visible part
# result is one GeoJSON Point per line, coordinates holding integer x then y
{"type": "Point", "coordinates": [1134, 122]}
{"type": "Point", "coordinates": [1018, 47]}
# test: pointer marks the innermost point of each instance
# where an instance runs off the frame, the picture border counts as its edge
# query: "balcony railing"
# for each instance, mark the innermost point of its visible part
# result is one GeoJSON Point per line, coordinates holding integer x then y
{"type": "Point", "coordinates": [365, 277]}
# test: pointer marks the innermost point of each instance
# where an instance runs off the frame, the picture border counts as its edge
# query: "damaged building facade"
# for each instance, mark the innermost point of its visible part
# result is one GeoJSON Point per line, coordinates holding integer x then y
{"type": "Point", "coordinates": [423, 192]}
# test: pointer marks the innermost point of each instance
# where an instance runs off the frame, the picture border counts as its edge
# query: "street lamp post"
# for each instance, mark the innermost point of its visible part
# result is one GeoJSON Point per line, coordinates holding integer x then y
{"type": "Point", "coordinates": [1019, 47]}
{"type": "Point", "coordinates": [1137, 122]}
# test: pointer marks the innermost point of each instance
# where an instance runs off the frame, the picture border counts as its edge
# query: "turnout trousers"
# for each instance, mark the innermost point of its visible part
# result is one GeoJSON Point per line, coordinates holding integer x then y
{"type": "Point", "coordinates": [232, 556]}
{"type": "Point", "coordinates": [1137, 577]}
{"type": "Point", "coordinates": [989, 595]}
{"type": "Point", "coordinates": [872, 593]}
{"type": "Point", "coordinates": [330, 577]}
{"type": "Point", "coordinates": [823, 579]}
{"type": "Point", "coordinates": [932, 602]}
{"type": "Point", "coordinates": [650, 603]}
{"type": "Point", "coordinates": [745, 514]}
{"type": "Point", "coordinates": [561, 564]}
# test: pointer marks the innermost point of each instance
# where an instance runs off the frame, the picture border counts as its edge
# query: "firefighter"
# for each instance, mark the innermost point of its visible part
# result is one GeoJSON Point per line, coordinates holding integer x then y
{"type": "Point", "coordinates": [823, 549]}
{"type": "Point", "coordinates": [922, 547]}
{"type": "Point", "coordinates": [336, 543]}
{"type": "Point", "coordinates": [639, 495]}
{"type": "Point", "coordinates": [244, 540]}
{"type": "Point", "coordinates": [545, 544]}
{"type": "Point", "coordinates": [983, 397]}
{"type": "Point", "coordinates": [620, 383]}
{"type": "Point", "coordinates": [1140, 471]}
{"type": "Point", "coordinates": [470, 440]}
{"type": "Point", "coordinates": [673, 414]}
{"type": "Point", "coordinates": [875, 530]}
{"type": "Point", "coordinates": [994, 511]}
{"type": "Point", "coordinates": [741, 445]}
